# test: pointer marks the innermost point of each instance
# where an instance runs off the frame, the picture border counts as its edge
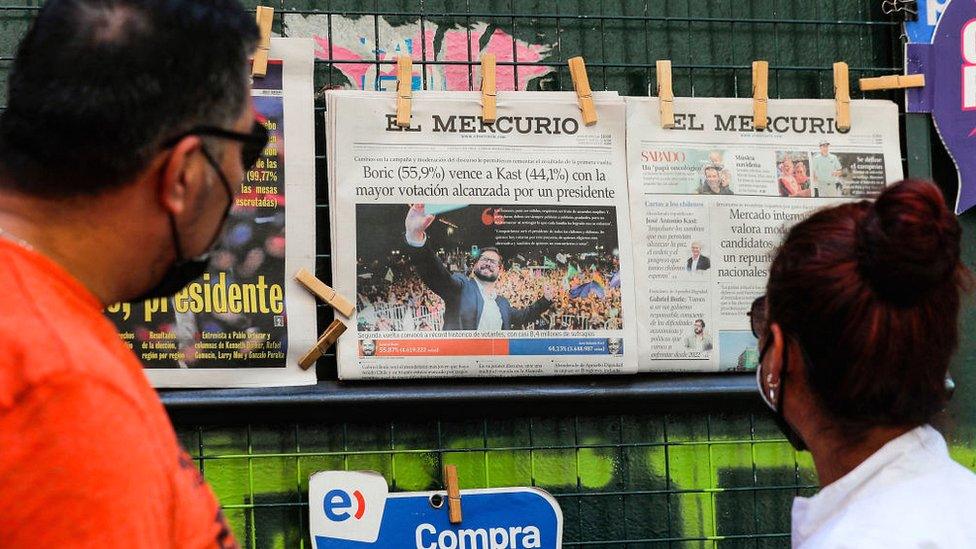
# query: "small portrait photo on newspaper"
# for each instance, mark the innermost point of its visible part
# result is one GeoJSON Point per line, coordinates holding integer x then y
{"type": "Point", "coordinates": [485, 268]}
{"type": "Point", "coordinates": [697, 262]}
{"type": "Point", "coordinates": [716, 178]}
{"type": "Point", "coordinates": [793, 174]}
{"type": "Point", "coordinates": [681, 170]}
{"type": "Point", "coordinates": [698, 338]}
{"type": "Point", "coordinates": [837, 174]}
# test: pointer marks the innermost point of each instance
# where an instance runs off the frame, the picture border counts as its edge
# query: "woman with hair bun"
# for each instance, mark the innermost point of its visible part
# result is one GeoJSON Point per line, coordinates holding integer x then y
{"type": "Point", "coordinates": [856, 331]}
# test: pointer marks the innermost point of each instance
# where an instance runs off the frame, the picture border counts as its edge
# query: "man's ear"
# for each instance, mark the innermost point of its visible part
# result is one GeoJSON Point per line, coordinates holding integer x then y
{"type": "Point", "coordinates": [181, 165]}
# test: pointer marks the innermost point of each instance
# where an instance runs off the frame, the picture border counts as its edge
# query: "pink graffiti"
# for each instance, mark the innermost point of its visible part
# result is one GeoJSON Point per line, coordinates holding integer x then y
{"type": "Point", "coordinates": [500, 43]}
{"type": "Point", "coordinates": [355, 72]}
{"type": "Point", "coordinates": [455, 48]}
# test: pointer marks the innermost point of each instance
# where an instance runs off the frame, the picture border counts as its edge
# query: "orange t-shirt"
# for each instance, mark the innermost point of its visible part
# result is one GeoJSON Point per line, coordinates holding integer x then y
{"type": "Point", "coordinates": [88, 457]}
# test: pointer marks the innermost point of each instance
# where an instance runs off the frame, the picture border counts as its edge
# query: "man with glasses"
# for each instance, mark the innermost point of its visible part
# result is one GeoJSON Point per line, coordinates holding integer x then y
{"type": "Point", "coordinates": [127, 132]}
{"type": "Point", "coordinates": [470, 303]}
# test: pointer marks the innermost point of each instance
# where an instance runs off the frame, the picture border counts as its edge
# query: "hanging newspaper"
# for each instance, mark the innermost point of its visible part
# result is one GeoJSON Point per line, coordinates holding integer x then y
{"type": "Point", "coordinates": [480, 249]}
{"type": "Point", "coordinates": [246, 322]}
{"type": "Point", "coordinates": [712, 198]}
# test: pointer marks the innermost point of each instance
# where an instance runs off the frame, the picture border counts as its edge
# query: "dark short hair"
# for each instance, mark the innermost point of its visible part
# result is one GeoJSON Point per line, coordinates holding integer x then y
{"type": "Point", "coordinates": [98, 85]}
{"type": "Point", "coordinates": [712, 167]}
{"type": "Point", "coordinates": [700, 320]}
{"type": "Point", "coordinates": [482, 251]}
{"type": "Point", "coordinates": [871, 292]}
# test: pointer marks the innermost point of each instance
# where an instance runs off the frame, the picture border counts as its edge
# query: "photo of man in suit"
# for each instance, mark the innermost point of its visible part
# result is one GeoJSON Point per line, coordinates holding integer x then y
{"type": "Point", "coordinates": [470, 302]}
{"type": "Point", "coordinates": [697, 261]}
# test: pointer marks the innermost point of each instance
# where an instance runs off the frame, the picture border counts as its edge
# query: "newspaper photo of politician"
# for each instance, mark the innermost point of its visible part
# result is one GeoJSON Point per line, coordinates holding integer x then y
{"type": "Point", "coordinates": [485, 268]}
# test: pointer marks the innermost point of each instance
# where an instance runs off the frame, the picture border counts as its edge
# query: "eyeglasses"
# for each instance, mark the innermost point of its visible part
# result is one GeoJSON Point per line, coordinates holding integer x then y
{"type": "Point", "coordinates": [757, 317]}
{"type": "Point", "coordinates": [253, 143]}
{"type": "Point", "coordinates": [490, 261]}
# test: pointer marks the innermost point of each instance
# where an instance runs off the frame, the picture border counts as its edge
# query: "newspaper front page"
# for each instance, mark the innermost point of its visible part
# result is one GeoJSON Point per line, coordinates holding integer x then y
{"type": "Point", "coordinates": [479, 249]}
{"type": "Point", "coordinates": [712, 198]}
{"type": "Point", "coordinates": [246, 322]}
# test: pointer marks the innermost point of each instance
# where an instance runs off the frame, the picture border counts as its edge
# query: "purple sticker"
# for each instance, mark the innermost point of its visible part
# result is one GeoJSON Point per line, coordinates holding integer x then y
{"type": "Point", "coordinates": [916, 62]}
{"type": "Point", "coordinates": [950, 75]}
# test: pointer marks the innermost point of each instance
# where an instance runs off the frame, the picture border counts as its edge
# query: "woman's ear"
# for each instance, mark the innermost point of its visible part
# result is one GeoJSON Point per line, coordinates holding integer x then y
{"type": "Point", "coordinates": [773, 367]}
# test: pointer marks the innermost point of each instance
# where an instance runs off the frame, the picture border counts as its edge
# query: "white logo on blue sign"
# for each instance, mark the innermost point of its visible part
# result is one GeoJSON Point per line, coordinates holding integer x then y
{"type": "Point", "coordinates": [354, 510]}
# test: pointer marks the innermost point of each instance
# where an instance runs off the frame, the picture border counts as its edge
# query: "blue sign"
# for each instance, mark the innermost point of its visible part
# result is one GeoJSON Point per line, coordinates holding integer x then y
{"type": "Point", "coordinates": [567, 346]}
{"type": "Point", "coordinates": [949, 66]}
{"type": "Point", "coordinates": [348, 510]}
{"type": "Point", "coordinates": [922, 29]}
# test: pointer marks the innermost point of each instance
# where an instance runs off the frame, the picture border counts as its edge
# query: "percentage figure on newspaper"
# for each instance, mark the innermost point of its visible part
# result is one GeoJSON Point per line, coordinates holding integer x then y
{"type": "Point", "coordinates": [503, 250]}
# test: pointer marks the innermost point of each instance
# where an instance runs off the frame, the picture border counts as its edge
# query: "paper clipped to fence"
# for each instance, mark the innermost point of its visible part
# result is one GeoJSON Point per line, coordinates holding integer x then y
{"type": "Point", "coordinates": [480, 249]}
{"type": "Point", "coordinates": [246, 322]}
{"type": "Point", "coordinates": [540, 246]}
{"type": "Point", "coordinates": [711, 198]}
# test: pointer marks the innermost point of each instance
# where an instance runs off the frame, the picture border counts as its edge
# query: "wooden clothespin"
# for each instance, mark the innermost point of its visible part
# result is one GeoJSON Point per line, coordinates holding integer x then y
{"type": "Point", "coordinates": [264, 17]}
{"type": "Point", "coordinates": [324, 292]}
{"type": "Point", "coordinates": [665, 94]}
{"type": "Point", "coordinates": [453, 494]}
{"type": "Point", "coordinates": [581, 83]}
{"type": "Point", "coordinates": [404, 90]}
{"type": "Point", "coordinates": [892, 82]}
{"type": "Point", "coordinates": [489, 89]}
{"type": "Point", "coordinates": [842, 95]}
{"type": "Point", "coordinates": [327, 339]}
{"type": "Point", "coordinates": [760, 93]}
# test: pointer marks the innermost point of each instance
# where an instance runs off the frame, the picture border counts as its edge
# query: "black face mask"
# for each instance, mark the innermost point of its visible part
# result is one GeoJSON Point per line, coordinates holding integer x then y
{"type": "Point", "coordinates": [185, 270]}
{"type": "Point", "coordinates": [777, 411]}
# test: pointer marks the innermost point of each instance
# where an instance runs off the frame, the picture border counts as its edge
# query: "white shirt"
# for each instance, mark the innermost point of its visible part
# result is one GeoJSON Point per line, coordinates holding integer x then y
{"type": "Point", "coordinates": [822, 169]}
{"type": "Point", "coordinates": [909, 493]}
{"type": "Point", "coordinates": [491, 316]}
{"type": "Point", "coordinates": [694, 264]}
{"type": "Point", "coordinates": [699, 343]}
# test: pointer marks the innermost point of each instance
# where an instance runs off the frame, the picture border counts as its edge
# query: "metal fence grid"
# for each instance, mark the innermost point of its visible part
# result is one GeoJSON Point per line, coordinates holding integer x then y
{"type": "Point", "coordinates": [711, 44]}
{"type": "Point", "coordinates": [622, 481]}
{"type": "Point", "coordinates": [705, 479]}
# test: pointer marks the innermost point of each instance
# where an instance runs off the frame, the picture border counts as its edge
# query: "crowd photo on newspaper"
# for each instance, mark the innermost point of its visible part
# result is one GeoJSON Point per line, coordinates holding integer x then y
{"type": "Point", "coordinates": [568, 286]}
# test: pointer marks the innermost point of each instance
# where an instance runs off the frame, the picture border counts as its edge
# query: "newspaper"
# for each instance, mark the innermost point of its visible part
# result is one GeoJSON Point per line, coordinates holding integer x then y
{"type": "Point", "coordinates": [246, 322]}
{"type": "Point", "coordinates": [711, 199]}
{"type": "Point", "coordinates": [481, 250]}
